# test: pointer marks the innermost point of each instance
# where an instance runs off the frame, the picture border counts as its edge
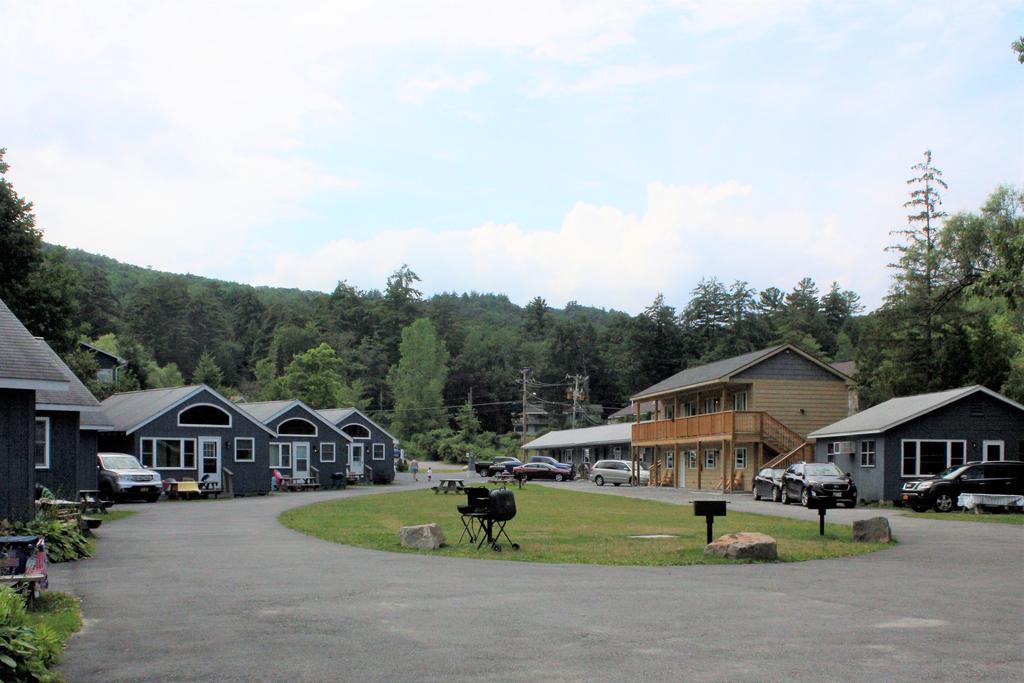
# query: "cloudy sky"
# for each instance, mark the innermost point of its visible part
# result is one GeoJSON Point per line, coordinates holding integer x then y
{"type": "Point", "coordinates": [599, 151]}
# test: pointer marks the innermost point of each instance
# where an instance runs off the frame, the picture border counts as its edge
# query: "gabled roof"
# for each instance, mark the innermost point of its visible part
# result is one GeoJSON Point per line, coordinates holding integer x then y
{"type": "Point", "coordinates": [587, 436]}
{"type": "Point", "coordinates": [24, 363]}
{"type": "Point", "coordinates": [721, 370]}
{"type": "Point", "coordinates": [630, 410]}
{"type": "Point", "coordinates": [97, 350]}
{"type": "Point", "coordinates": [131, 410]}
{"type": "Point", "coordinates": [896, 411]}
{"type": "Point", "coordinates": [267, 411]}
{"type": "Point", "coordinates": [337, 416]}
{"type": "Point", "coordinates": [76, 398]}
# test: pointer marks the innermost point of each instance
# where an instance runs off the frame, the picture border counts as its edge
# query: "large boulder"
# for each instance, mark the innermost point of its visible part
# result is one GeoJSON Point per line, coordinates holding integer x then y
{"type": "Point", "coordinates": [422, 536]}
{"type": "Point", "coordinates": [874, 530]}
{"type": "Point", "coordinates": [744, 546]}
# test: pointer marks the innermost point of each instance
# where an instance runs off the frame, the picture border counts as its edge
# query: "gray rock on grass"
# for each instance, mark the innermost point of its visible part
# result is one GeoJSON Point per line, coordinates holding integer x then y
{"type": "Point", "coordinates": [874, 530]}
{"type": "Point", "coordinates": [421, 537]}
{"type": "Point", "coordinates": [744, 546]}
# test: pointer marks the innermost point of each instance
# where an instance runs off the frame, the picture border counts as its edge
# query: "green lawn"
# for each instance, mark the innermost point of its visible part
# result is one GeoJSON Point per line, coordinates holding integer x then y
{"type": "Point", "coordinates": [566, 527]}
{"type": "Point", "coordinates": [113, 515]}
{"type": "Point", "coordinates": [1004, 518]}
{"type": "Point", "coordinates": [59, 611]}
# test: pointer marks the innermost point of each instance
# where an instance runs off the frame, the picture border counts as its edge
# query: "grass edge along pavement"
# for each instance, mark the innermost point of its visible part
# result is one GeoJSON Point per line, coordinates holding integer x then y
{"type": "Point", "coordinates": [567, 527]}
{"type": "Point", "coordinates": [964, 516]}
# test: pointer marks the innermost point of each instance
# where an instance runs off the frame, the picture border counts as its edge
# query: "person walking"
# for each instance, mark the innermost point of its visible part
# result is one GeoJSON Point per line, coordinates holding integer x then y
{"type": "Point", "coordinates": [430, 473]}
{"type": "Point", "coordinates": [414, 467]}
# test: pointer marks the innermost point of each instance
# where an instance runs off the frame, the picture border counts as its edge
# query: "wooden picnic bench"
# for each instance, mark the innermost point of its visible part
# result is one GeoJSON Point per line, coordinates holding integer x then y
{"type": "Point", "coordinates": [506, 478]}
{"type": "Point", "coordinates": [91, 502]}
{"type": "Point", "coordinates": [184, 489]}
{"type": "Point", "coordinates": [448, 485]}
{"type": "Point", "coordinates": [299, 484]}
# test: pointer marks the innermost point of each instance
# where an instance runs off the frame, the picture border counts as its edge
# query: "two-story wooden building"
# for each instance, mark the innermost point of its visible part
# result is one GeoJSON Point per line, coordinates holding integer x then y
{"type": "Point", "coordinates": [713, 426]}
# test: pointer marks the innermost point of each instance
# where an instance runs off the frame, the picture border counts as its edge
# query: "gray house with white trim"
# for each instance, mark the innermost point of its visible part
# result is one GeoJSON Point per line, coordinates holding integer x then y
{"type": "Point", "coordinates": [26, 367]}
{"type": "Point", "coordinates": [191, 432]}
{"type": "Point", "coordinates": [915, 436]}
{"type": "Point", "coordinates": [305, 444]}
{"type": "Point", "coordinates": [372, 448]}
{"type": "Point", "coordinates": [586, 445]}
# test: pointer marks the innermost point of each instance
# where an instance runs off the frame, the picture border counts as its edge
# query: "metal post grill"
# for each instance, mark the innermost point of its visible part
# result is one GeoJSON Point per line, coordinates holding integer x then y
{"type": "Point", "coordinates": [485, 515]}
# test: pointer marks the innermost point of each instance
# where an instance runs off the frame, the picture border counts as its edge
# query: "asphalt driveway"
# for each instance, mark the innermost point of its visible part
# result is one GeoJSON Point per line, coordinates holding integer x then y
{"type": "Point", "coordinates": [221, 591]}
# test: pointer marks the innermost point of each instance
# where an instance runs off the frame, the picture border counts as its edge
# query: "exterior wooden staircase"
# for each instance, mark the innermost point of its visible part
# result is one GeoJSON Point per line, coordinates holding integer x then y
{"type": "Point", "coordinates": [783, 440]}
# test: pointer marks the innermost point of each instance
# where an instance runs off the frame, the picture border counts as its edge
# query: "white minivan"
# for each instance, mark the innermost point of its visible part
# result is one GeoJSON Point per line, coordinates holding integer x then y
{"type": "Point", "coordinates": [616, 472]}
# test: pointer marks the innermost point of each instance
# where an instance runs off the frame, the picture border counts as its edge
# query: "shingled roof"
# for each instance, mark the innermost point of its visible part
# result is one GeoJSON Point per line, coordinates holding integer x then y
{"type": "Point", "coordinates": [721, 370]}
{"type": "Point", "coordinates": [77, 398]}
{"type": "Point", "coordinates": [266, 411]}
{"type": "Point", "coordinates": [586, 436]}
{"type": "Point", "coordinates": [896, 411]}
{"type": "Point", "coordinates": [24, 362]}
{"type": "Point", "coordinates": [338, 415]}
{"type": "Point", "coordinates": [131, 410]}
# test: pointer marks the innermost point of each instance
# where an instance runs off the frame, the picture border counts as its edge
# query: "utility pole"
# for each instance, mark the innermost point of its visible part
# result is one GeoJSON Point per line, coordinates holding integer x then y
{"type": "Point", "coordinates": [526, 372]}
{"type": "Point", "coordinates": [576, 395]}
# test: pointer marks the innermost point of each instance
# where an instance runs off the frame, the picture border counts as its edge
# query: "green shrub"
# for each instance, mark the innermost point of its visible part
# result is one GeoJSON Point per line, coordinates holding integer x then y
{"type": "Point", "coordinates": [401, 465]}
{"type": "Point", "coordinates": [26, 650]}
{"type": "Point", "coordinates": [64, 542]}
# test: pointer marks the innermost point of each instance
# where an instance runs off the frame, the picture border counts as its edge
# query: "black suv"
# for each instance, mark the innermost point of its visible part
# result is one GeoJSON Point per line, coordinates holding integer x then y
{"type": "Point", "coordinates": [806, 481]}
{"type": "Point", "coordinates": [942, 490]}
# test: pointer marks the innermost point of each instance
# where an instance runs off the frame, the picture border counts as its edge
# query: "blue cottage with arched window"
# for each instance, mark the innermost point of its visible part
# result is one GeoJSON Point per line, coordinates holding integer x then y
{"type": "Point", "coordinates": [193, 433]}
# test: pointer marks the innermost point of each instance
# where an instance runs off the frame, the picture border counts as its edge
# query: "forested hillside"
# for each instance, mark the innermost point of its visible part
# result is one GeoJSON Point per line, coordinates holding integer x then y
{"type": "Point", "coordinates": [953, 317]}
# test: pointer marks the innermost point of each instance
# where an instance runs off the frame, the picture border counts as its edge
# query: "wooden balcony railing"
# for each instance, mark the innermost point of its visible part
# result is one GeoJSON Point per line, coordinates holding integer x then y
{"type": "Point", "coordinates": [752, 423]}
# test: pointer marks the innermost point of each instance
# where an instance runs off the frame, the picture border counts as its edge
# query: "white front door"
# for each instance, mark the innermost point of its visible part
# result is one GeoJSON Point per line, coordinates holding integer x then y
{"type": "Point", "coordinates": [355, 459]}
{"type": "Point", "coordinates": [992, 450]}
{"type": "Point", "coordinates": [209, 462]}
{"type": "Point", "coordinates": [300, 459]}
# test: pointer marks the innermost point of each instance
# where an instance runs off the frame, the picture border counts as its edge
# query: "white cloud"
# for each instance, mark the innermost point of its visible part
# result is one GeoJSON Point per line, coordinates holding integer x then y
{"type": "Point", "coordinates": [600, 255]}
{"type": "Point", "coordinates": [418, 89]}
{"type": "Point", "coordinates": [605, 79]}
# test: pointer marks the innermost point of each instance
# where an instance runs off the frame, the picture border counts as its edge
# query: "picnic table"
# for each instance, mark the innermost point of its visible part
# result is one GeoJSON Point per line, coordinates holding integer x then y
{"type": "Point", "coordinates": [446, 485]}
{"type": "Point", "coordinates": [183, 489]}
{"type": "Point", "coordinates": [299, 484]}
{"type": "Point", "coordinates": [505, 478]}
{"type": "Point", "coordinates": [976, 501]}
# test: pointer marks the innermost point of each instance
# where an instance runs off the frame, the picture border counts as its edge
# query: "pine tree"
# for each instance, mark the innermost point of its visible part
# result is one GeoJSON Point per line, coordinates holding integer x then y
{"type": "Point", "coordinates": [207, 372]}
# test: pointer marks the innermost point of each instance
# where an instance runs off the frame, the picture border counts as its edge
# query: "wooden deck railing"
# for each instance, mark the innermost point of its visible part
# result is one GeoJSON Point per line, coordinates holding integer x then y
{"type": "Point", "coordinates": [759, 424]}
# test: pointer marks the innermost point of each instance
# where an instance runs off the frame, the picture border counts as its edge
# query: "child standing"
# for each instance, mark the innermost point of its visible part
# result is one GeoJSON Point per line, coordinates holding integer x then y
{"type": "Point", "coordinates": [430, 473]}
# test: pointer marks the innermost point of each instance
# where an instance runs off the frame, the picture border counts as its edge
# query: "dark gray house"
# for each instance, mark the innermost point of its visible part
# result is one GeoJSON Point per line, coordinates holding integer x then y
{"type": "Point", "coordinates": [919, 435]}
{"type": "Point", "coordinates": [372, 449]}
{"type": "Point", "coordinates": [305, 444]}
{"type": "Point", "coordinates": [191, 432]}
{"type": "Point", "coordinates": [67, 425]}
{"type": "Point", "coordinates": [26, 367]}
{"type": "Point", "coordinates": [109, 364]}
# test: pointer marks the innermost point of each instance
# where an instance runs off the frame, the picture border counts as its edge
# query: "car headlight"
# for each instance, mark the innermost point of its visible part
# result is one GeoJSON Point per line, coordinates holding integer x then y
{"type": "Point", "coordinates": [921, 485]}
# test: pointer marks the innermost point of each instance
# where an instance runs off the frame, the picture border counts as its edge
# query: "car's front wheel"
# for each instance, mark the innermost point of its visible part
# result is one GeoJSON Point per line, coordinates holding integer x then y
{"type": "Point", "coordinates": [757, 494]}
{"type": "Point", "coordinates": [559, 477]}
{"type": "Point", "coordinates": [784, 496]}
{"type": "Point", "coordinates": [944, 502]}
{"type": "Point", "coordinates": [805, 497]}
{"type": "Point", "coordinates": [153, 497]}
{"type": "Point", "coordinates": [599, 480]}
{"type": "Point", "coordinates": [776, 494]}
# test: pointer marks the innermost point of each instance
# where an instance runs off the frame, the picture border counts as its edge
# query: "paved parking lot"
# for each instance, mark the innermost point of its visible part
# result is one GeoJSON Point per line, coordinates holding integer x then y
{"type": "Point", "coordinates": [220, 591]}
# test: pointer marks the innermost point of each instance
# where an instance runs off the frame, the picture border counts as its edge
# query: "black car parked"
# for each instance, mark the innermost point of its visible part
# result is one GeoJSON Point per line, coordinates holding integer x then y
{"type": "Point", "coordinates": [942, 490]}
{"type": "Point", "coordinates": [768, 484]}
{"type": "Point", "coordinates": [805, 481]}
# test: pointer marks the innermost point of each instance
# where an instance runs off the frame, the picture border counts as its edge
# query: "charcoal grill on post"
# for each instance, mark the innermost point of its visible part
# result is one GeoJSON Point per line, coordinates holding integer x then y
{"type": "Point", "coordinates": [485, 516]}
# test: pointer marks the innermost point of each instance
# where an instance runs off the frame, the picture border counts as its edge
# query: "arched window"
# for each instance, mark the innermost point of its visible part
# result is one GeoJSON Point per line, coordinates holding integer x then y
{"type": "Point", "coordinates": [204, 415]}
{"type": "Point", "coordinates": [297, 426]}
{"type": "Point", "coordinates": [356, 431]}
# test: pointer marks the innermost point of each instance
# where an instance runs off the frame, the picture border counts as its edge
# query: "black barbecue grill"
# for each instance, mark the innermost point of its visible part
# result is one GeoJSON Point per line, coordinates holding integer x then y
{"type": "Point", "coordinates": [485, 515]}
